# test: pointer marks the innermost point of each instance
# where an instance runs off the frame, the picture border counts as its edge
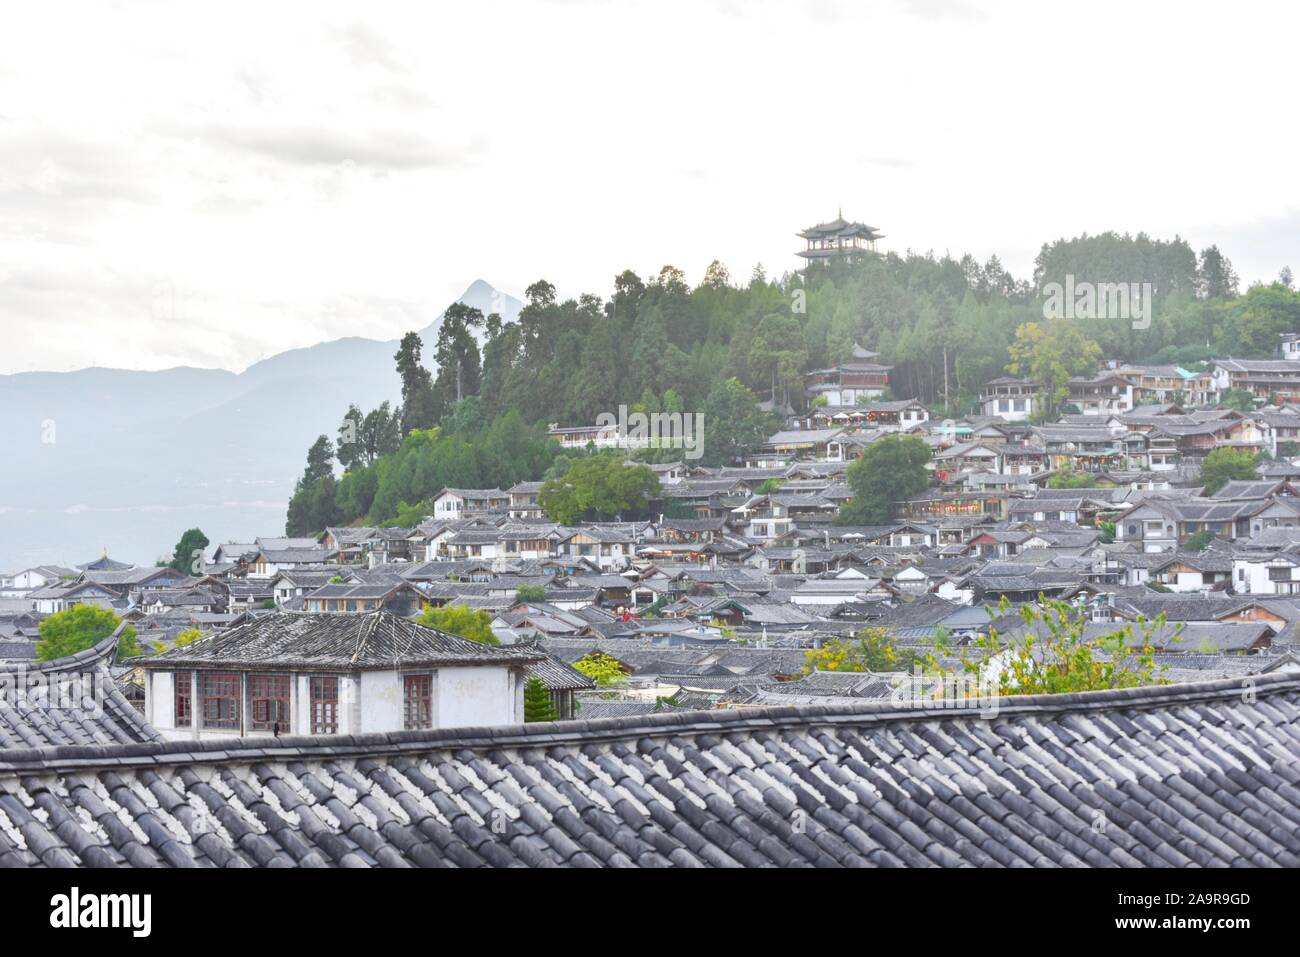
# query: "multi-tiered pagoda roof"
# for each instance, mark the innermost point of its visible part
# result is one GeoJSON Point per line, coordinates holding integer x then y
{"type": "Point", "coordinates": [837, 237]}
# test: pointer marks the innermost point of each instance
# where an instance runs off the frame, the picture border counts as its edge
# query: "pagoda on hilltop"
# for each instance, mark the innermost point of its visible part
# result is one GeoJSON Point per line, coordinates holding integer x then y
{"type": "Point", "coordinates": [839, 237]}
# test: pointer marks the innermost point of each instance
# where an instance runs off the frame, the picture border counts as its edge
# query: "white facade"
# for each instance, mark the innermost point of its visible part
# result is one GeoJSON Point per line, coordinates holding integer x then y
{"type": "Point", "coordinates": [470, 550]}
{"type": "Point", "coordinates": [1265, 576]}
{"type": "Point", "coordinates": [448, 505]}
{"type": "Point", "coordinates": [30, 579]}
{"type": "Point", "coordinates": [453, 503]}
{"type": "Point", "coordinates": [369, 702]}
{"type": "Point", "coordinates": [765, 522]}
{"type": "Point", "coordinates": [1013, 408]}
{"type": "Point", "coordinates": [1101, 397]}
{"type": "Point", "coordinates": [608, 556]}
{"type": "Point", "coordinates": [951, 591]}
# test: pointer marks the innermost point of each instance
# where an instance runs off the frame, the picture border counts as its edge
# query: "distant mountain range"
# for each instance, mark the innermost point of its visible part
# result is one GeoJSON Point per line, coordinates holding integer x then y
{"type": "Point", "coordinates": [125, 461]}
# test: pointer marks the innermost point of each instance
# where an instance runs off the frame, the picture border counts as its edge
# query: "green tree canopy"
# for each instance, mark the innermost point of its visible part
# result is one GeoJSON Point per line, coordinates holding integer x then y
{"type": "Point", "coordinates": [1225, 465]}
{"type": "Point", "coordinates": [188, 554]}
{"type": "Point", "coordinates": [313, 507]}
{"type": "Point", "coordinates": [419, 403]}
{"type": "Point", "coordinates": [1238, 399]}
{"type": "Point", "coordinates": [599, 488]}
{"type": "Point", "coordinates": [1050, 353]}
{"type": "Point", "coordinates": [537, 702]}
{"type": "Point", "coordinates": [1054, 653]}
{"type": "Point", "coordinates": [79, 628]}
{"type": "Point", "coordinates": [733, 423]}
{"type": "Point", "coordinates": [364, 438]}
{"type": "Point", "coordinates": [530, 593]}
{"type": "Point", "coordinates": [471, 623]}
{"type": "Point", "coordinates": [890, 470]}
{"type": "Point", "coordinates": [1215, 277]}
{"type": "Point", "coordinates": [871, 649]}
{"type": "Point", "coordinates": [601, 668]}
{"type": "Point", "coordinates": [460, 366]}
{"type": "Point", "coordinates": [1068, 478]}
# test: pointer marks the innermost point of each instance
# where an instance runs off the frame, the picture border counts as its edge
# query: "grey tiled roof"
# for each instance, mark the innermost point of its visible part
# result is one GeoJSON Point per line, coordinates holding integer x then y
{"type": "Point", "coordinates": [89, 708]}
{"type": "Point", "coordinates": [17, 651]}
{"type": "Point", "coordinates": [377, 640]}
{"type": "Point", "coordinates": [593, 708]}
{"type": "Point", "coordinates": [555, 674]}
{"type": "Point", "coordinates": [1177, 776]}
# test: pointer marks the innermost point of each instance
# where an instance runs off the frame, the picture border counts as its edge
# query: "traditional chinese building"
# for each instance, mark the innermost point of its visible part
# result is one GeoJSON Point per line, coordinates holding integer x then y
{"type": "Point", "coordinates": [839, 237]}
{"type": "Point", "coordinates": [860, 379]}
{"type": "Point", "coordinates": [1015, 400]}
{"type": "Point", "coordinates": [331, 674]}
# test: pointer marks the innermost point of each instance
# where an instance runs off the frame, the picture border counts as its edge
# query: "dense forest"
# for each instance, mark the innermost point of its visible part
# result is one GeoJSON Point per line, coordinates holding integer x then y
{"type": "Point", "coordinates": [722, 346]}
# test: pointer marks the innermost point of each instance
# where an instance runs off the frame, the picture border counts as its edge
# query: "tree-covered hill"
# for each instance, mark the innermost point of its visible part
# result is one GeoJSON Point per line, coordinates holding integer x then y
{"type": "Point", "coordinates": [945, 325]}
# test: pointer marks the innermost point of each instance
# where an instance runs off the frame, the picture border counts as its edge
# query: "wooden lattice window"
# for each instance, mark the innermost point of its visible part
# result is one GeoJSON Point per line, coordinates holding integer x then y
{"type": "Point", "coordinates": [418, 710]}
{"type": "Point", "coordinates": [324, 704]}
{"type": "Point", "coordinates": [268, 701]}
{"type": "Point", "coordinates": [221, 700]}
{"type": "Point", "coordinates": [184, 699]}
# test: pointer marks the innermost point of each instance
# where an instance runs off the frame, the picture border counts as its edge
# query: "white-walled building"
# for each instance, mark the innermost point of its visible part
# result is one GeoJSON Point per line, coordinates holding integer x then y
{"type": "Point", "coordinates": [28, 580]}
{"type": "Point", "coordinates": [332, 674]}
{"type": "Point", "coordinates": [274, 555]}
{"type": "Point", "coordinates": [1102, 395]}
{"type": "Point", "coordinates": [1013, 399]}
{"type": "Point", "coordinates": [454, 503]}
{"type": "Point", "coordinates": [610, 547]}
{"type": "Point", "coordinates": [1262, 573]}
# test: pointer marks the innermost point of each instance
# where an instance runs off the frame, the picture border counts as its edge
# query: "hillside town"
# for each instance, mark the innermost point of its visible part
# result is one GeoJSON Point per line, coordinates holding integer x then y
{"type": "Point", "coordinates": [719, 610]}
{"type": "Point", "coordinates": [656, 693]}
{"type": "Point", "coordinates": [580, 436]}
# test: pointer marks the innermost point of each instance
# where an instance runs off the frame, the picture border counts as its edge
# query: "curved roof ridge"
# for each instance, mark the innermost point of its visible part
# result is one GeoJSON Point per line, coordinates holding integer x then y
{"type": "Point", "coordinates": [43, 722]}
{"type": "Point", "coordinates": [872, 713]}
{"type": "Point", "coordinates": [98, 654]}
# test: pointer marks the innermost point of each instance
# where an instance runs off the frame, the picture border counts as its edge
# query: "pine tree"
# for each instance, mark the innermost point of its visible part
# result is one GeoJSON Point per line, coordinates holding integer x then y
{"type": "Point", "coordinates": [537, 702]}
{"type": "Point", "coordinates": [188, 551]}
{"type": "Point", "coordinates": [419, 403]}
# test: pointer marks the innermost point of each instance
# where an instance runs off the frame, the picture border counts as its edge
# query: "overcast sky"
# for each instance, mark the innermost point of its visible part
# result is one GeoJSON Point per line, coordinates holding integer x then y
{"type": "Point", "coordinates": [186, 185]}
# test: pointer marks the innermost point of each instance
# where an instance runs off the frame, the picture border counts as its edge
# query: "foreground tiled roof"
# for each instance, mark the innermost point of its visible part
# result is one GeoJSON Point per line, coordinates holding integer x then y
{"type": "Point", "coordinates": [44, 705]}
{"type": "Point", "coordinates": [1171, 776]}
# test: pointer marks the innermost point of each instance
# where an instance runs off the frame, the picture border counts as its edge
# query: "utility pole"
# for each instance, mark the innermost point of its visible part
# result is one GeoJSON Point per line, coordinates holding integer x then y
{"type": "Point", "coordinates": [946, 407]}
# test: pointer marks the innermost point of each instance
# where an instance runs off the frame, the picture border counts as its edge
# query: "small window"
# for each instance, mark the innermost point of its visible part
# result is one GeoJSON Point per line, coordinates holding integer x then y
{"type": "Point", "coordinates": [418, 710]}
{"type": "Point", "coordinates": [268, 700]}
{"type": "Point", "coordinates": [324, 704]}
{"type": "Point", "coordinates": [184, 700]}
{"type": "Point", "coordinates": [221, 698]}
